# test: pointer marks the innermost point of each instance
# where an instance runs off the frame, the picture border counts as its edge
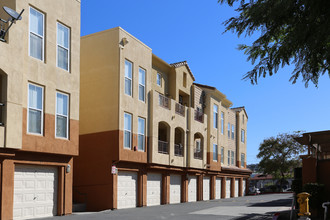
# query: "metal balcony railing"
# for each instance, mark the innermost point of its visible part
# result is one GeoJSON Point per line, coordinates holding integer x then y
{"type": "Point", "coordinates": [178, 150]}
{"type": "Point", "coordinates": [164, 101]}
{"type": "Point", "coordinates": [198, 153]}
{"type": "Point", "coordinates": [199, 116]}
{"type": "Point", "coordinates": [163, 147]}
{"type": "Point", "coordinates": [2, 106]}
{"type": "Point", "coordinates": [179, 109]}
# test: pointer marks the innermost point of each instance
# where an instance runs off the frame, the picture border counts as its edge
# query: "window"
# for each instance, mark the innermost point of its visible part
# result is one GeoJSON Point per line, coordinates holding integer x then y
{"type": "Point", "coordinates": [63, 46]}
{"type": "Point", "coordinates": [215, 152]}
{"type": "Point", "coordinates": [62, 112]}
{"type": "Point", "coordinates": [222, 122]}
{"type": "Point", "coordinates": [142, 82]}
{"type": "Point", "coordinates": [36, 34]}
{"type": "Point", "coordinates": [222, 155]}
{"type": "Point", "coordinates": [35, 105]}
{"type": "Point", "coordinates": [232, 132]}
{"type": "Point", "coordinates": [232, 157]}
{"type": "Point", "coordinates": [228, 130]}
{"type": "Point", "coordinates": [228, 157]}
{"type": "Point", "coordinates": [141, 135]}
{"type": "Point", "coordinates": [243, 135]}
{"type": "Point", "coordinates": [128, 78]}
{"type": "Point", "coordinates": [159, 79]}
{"type": "Point", "coordinates": [127, 131]}
{"type": "Point", "coordinates": [242, 160]}
{"type": "Point", "coordinates": [215, 116]}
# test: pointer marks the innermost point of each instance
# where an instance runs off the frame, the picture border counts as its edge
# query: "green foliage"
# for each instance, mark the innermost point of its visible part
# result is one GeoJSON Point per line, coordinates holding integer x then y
{"type": "Point", "coordinates": [317, 194]}
{"type": "Point", "coordinates": [291, 32]}
{"type": "Point", "coordinates": [280, 155]}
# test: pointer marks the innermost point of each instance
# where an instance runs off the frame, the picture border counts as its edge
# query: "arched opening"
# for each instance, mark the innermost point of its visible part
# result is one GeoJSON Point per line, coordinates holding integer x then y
{"type": "Point", "coordinates": [179, 142]}
{"type": "Point", "coordinates": [198, 143]}
{"type": "Point", "coordinates": [163, 137]}
{"type": "Point", "coordinates": [3, 97]}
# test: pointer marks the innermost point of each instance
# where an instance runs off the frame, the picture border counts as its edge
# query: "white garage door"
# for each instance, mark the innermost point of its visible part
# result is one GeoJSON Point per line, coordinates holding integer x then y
{"type": "Point", "coordinates": [218, 188]}
{"type": "Point", "coordinates": [228, 187]}
{"type": "Point", "coordinates": [192, 189]}
{"type": "Point", "coordinates": [244, 187]}
{"type": "Point", "coordinates": [35, 191]}
{"type": "Point", "coordinates": [206, 188]}
{"type": "Point", "coordinates": [154, 189]}
{"type": "Point", "coordinates": [126, 190]}
{"type": "Point", "coordinates": [175, 189]}
{"type": "Point", "coordinates": [236, 188]}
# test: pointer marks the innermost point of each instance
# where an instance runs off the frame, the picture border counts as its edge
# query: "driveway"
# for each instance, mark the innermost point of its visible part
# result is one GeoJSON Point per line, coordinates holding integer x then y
{"type": "Point", "coordinates": [249, 207]}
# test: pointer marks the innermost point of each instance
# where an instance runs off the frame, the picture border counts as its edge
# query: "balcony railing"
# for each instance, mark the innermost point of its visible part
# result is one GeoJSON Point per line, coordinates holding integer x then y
{"type": "Point", "coordinates": [199, 116]}
{"type": "Point", "coordinates": [178, 150]}
{"type": "Point", "coordinates": [198, 153]}
{"type": "Point", "coordinates": [163, 147]}
{"type": "Point", "coordinates": [164, 101]}
{"type": "Point", "coordinates": [2, 106]}
{"type": "Point", "coordinates": [179, 109]}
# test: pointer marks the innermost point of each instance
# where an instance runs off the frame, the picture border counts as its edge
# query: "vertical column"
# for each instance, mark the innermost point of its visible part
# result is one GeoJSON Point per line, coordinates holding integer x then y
{"type": "Point", "coordinates": [68, 188]}
{"type": "Point", "coordinates": [7, 196]}
{"type": "Point", "coordinates": [60, 191]}
{"type": "Point", "coordinates": [184, 194]}
{"type": "Point", "coordinates": [114, 190]}
{"type": "Point", "coordinates": [223, 187]}
{"type": "Point", "coordinates": [166, 188]}
{"type": "Point", "coordinates": [240, 187]}
{"type": "Point", "coordinates": [200, 187]}
{"type": "Point", "coordinates": [232, 187]}
{"type": "Point", "coordinates": [142, 189]}
{"type": "Point", "coordinates": [212, 187]}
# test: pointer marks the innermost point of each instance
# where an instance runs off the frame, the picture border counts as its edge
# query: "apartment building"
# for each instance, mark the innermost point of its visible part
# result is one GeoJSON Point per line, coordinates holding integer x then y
{"type": "Point", "coordinates": [149, 135]}
{"type": "Point", "coordinates": [39, 96]}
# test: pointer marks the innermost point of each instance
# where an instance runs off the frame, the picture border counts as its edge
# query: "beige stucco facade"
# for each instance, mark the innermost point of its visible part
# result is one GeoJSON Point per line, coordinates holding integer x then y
{"type": "Point", "coordinates": [178, 115]}
{"type": "Point", "coordinates": [18, 69]}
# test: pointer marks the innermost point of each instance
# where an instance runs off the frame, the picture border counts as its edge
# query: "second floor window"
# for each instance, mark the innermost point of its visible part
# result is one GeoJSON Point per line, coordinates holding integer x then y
{"type": "Point", "coordinates": [128, 78]}
{"type": "Point", "coordinates": [62, 113]}
{"type": "Point", "coordinates": [228, 157]}
{"type": "Point", "coordinates": [222, 122]}
{"type": "Point", "coordinates": [232, 132]}
{"type": "Point", "coordinates": [215, 116]}
{"type": "Point", "coordinates": [232, 158]}
{"type": "Point", "coordinates": [243, 135]}
{"type": "Point", "coordinates": [222, 155]}
{"type": "Point", "coordinates": [159, 79]}
{"type": "Point", "coordinates": [36, 34]}
{"type": "Point", "coordinates": [63, 46]}
{"type": "Point", "coordinates": [35, 106]}
{"type": "Point", "coordinates": [142, 82]}
{"type": "Point", "coordinates": [228, 130]}
{"type": "Point", "coordinates": [215, 152]}
{"type": "Point", "coordinates": [141, 134]}
{"type": "Point", "coordinates": [127, 131]}
{"type": "Point", "coordinates": [242, 160]}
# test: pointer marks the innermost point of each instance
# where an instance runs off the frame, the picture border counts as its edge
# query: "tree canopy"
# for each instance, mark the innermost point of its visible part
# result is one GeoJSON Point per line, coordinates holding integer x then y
{"type": "Point", "coordinates": [291, 32]}
{"type": "Point", "coordinates": [279, 155]}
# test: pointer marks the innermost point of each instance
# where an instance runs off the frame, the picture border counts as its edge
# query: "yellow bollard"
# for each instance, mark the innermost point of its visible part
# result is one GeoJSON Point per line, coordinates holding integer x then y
{"type": "Point", "coordinates": [303, 204]}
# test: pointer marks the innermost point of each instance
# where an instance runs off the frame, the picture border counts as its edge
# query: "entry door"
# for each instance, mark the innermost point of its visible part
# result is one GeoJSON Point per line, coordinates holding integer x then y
{"type": "Point", "coordinates": [228, 180]}
{"type": "Point", "coordinates": [35, 191]}
{"type": "Point", "coordinates": [126, 190]}
{"type": "Point", "coordinates": [218, 188]}
{"type": "Point", "coordinates": [206, 188]}
{"type": "Point", "coordinates": [192, 189]}
{"type": "Point", "coordinates": [154, 189]}
{"type": "Point", "coordinates": [175, 189]}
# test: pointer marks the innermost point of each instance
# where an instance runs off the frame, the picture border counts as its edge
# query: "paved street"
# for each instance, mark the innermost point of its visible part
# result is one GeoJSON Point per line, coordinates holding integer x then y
{"type": "Point", "coordinates": [249, 207]}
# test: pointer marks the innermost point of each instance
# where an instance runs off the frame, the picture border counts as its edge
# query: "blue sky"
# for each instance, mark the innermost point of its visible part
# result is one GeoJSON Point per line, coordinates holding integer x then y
{"type": "Point", "coordinates": [191, 30]}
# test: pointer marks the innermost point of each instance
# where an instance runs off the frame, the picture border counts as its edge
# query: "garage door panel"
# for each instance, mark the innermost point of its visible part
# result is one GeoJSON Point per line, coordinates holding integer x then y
{"type": "Point", "coordinates": [228, 181]}
{"type": "Point", "coordinates": [126, 190]}
{"type": "Point", "coordinates": [236, 187]}
{"type": "Point", "coordinates": [244, 187]}
{"type": "Point", "coordinates": [218, 188]}
{"type": "Point", "coordinates": [35, 191]}
{"type": "Point", "coordinates": [154, 186]}
{"type": "Point", "coordinates": [206, 188]}
{"type": "Point", "coordinates": [192, 189]}
{"type": "Point", "coordinates": [175, 189]}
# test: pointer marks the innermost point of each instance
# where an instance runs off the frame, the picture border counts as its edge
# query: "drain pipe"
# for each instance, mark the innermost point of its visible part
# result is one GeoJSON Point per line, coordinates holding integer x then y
{"type": "Point", "coordinates": [325, 206]}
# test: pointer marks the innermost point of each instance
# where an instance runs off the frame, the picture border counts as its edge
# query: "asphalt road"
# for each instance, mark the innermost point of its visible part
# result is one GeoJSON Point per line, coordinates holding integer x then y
{"type": "Point", "coordinates": [249, 207]}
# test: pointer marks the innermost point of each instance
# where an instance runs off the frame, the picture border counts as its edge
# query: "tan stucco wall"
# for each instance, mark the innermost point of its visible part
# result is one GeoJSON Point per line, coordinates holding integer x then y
{"type": "Point", "coordinates": [21, 68]}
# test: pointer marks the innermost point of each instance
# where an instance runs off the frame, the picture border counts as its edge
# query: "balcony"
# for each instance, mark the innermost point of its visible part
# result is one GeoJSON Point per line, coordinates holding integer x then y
{"type": "Point", "coordinates": [162, 147]}
{"type": "Point", "coordinates": [178, 150]}
{"type": "Point", "coordinates": [180, 109]}
{"type": "Point", "coordinates": [164, 101]}
{"type": "Point", "coordinates": [198, 153]}
{"type": "Point", "coordinates": [199, 116]}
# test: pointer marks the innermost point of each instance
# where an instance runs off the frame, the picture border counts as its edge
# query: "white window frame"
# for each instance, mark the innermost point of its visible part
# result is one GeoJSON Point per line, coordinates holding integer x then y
{"type": "Point", "coordinates": [142, 85]}
{"type": "Point", "coordinates": [232, 132]}
{"type": "Point", "coordinates": [130, 79]}
{"type": "Point", "coordinates": [42, 111]}
{"type": "Point", "coordinates": [242, 135]}
{"type": "Point", "coordinates": [57, 45]}
{"type": "Point", "coordinates": [232, 158]}
{"type": "Point", "coordinates": [159, 75]}
{"type": "Point", "coordinates": [222, 122]}
{"type": "Point", "coordinates": [215, 152]}
{"type": "Point", "coordinates": [142, 134]}
{"type": "Point", "coordinates": [43, 33]}
{"type": "Point", "coordinates": [215, 116]}
{"type": "Point", "coordinates": [229, 157]}
{"type": "Point", "coordinates": [67, 116]}
{"type": "Point", "coordinates": [222, 155]}
{"type": "Point", "coordinates": [228, 130]}
{"type": "Point", "coordinates": [129, 131]}
{"type": "Point", "coordinates": [242, 161]}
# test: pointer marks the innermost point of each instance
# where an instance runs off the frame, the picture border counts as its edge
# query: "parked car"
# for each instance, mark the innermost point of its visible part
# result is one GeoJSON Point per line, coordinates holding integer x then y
{"type": "Point", "coordinates": [254, 191]}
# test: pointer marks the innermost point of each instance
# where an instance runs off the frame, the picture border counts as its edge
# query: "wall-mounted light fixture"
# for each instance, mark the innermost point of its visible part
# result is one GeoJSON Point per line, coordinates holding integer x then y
{"type": "Point", "coordinates": [68, 168]}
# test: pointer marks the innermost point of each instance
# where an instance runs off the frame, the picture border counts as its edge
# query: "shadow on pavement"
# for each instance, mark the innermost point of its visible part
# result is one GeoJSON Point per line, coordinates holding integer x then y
{"type": "Point", "coordinates": [281, 202]}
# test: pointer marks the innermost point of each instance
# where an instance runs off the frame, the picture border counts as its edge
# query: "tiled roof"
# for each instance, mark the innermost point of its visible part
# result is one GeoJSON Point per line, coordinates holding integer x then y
{"type": "Point", "coordinates": [183, 63]}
